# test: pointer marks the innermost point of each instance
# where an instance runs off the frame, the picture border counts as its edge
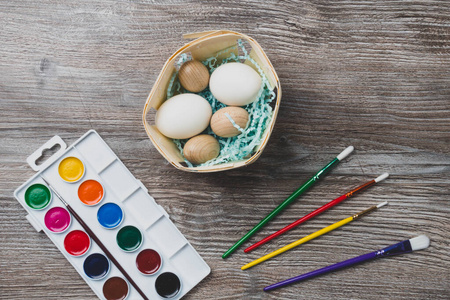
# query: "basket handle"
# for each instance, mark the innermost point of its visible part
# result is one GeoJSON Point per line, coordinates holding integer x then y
{"type": "Point", "coordinates": [56, 140]}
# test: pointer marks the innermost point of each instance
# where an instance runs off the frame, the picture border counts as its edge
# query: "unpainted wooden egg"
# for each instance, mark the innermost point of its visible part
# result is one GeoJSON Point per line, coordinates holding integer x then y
{"type": "Point", "coordinates": [201, 148]}
{"type": "Point", "coordinates": [223, 127]}
{"type": "Point", "coordinates": [193, 76]}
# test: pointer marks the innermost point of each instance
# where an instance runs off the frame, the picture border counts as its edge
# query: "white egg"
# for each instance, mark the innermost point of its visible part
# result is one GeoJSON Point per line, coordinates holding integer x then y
{"type": "Point", "coordinates": [183, 116]}
{"type": "Point", "coordinates": [235, 84]}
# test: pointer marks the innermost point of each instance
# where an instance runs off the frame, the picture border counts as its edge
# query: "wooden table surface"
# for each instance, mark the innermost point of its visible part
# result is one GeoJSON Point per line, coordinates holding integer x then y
{"type": "Point", "coordinates": [372, 74]}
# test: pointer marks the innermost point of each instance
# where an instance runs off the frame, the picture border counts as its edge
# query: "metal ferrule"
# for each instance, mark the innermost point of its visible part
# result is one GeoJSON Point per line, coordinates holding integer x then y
{"type": "Point", "coordinates": [325, 169]}
{"type": "Point", "coordinates": [364, 212]}
{"type": "Point", "coordinates": [360, 188]}
{"type": "Point", "coordinates": [399, 248]}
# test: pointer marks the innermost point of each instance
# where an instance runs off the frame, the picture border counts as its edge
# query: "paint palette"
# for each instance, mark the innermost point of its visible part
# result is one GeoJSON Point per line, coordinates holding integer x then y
{"type": "Point", "coordinates": [117, 208]}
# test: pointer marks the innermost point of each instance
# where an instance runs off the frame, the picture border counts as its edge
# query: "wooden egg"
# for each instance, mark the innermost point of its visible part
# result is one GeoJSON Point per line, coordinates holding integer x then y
{"type": "Point", "coordinates": [223, 127]}
{"type": "Point", "coordinates": [193, 76]}
{"type": "Point", "coordinates": [201, 148]}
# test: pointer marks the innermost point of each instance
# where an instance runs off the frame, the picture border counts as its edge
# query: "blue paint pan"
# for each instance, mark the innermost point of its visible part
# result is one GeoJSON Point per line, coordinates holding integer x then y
{"type": "Point", "coordinates": [110, 215]}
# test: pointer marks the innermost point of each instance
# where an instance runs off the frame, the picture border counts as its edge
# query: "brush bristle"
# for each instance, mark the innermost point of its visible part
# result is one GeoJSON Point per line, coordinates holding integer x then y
{"type": "Point", "coordinates": [382, 204]}
{"type": "Point", "coordinates": [345, 153]}
{"type": "Point", "coordinates": [419, 242]}
{"type": "Point", "coordinates": [382, 177]}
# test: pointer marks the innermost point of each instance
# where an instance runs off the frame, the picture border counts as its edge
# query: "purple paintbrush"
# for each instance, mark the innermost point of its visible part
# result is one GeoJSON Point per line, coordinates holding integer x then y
{"type": "Point", "coordinates": [418, 243]}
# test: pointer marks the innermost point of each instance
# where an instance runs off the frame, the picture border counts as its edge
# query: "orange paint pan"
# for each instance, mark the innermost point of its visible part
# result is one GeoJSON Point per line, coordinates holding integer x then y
{"type": "Point", "coordinates": [90, 192]}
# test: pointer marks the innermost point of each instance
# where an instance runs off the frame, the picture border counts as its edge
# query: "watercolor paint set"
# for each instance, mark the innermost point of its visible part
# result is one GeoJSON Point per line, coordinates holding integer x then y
{"type": "Point", "coordinates": [106, 224]}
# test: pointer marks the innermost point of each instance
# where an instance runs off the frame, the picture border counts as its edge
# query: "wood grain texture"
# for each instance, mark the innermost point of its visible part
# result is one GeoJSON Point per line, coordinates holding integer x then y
{"type": "Point", "coordinates": [373, 74]}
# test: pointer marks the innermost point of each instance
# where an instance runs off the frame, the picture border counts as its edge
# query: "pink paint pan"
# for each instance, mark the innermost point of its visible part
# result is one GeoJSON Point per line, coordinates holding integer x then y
{"type": "Point", "coordinates": [57, 219]}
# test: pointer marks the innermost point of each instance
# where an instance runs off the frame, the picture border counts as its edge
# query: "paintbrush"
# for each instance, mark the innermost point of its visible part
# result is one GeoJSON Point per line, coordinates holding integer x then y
{"type": "Point", "coordinates": [312, 236]}
{"type": "Point", "coordinates": [418, 243]}
{"type": "Point", "coordinates": [96, 239]}
{"type": "Point", "coordinates": [318, 211]}
{"type": "Point", "coordinates": [290, 199]}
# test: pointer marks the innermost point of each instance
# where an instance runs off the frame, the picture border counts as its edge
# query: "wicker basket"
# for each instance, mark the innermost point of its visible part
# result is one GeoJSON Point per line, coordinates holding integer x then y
{"type": "Point", "coordinates": [207, 44]}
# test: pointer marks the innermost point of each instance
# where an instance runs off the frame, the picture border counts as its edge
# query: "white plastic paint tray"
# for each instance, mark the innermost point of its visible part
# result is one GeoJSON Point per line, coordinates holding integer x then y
{"type": "Point", "coordinates": [139, 208]}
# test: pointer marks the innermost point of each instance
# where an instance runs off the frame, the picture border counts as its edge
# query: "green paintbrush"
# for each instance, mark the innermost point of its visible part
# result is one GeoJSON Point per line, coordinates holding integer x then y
{"type": "Point", "coordinates": [290, 199]}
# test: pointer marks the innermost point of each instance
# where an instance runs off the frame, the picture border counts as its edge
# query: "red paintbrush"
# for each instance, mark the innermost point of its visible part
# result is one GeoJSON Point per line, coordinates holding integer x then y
{"type": "Point", "coordinates": [318, 211]}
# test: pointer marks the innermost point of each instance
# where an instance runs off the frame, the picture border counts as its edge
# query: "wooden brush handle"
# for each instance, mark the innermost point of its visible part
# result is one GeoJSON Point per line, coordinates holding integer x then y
{"type": "Point", "coordinates": [105, 250]}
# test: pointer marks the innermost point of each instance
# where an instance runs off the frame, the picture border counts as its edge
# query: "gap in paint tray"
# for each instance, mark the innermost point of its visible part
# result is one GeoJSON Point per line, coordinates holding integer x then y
{"type": "Point", "coordinates": [120, 181]}
{"type": "Point", "coordinates": [145, 212]}
{"type": "Point", "coordinates": [96, 152]}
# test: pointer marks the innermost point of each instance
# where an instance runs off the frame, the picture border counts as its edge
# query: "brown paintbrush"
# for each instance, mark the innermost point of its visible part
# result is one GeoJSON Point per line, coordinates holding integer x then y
{"type": "Point", "coordinates": [96, 239]}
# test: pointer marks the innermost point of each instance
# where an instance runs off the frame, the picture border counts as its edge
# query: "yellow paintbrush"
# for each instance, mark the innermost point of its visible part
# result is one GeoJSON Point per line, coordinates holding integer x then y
{"type": "Point", "coordinates": [312, 236]}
